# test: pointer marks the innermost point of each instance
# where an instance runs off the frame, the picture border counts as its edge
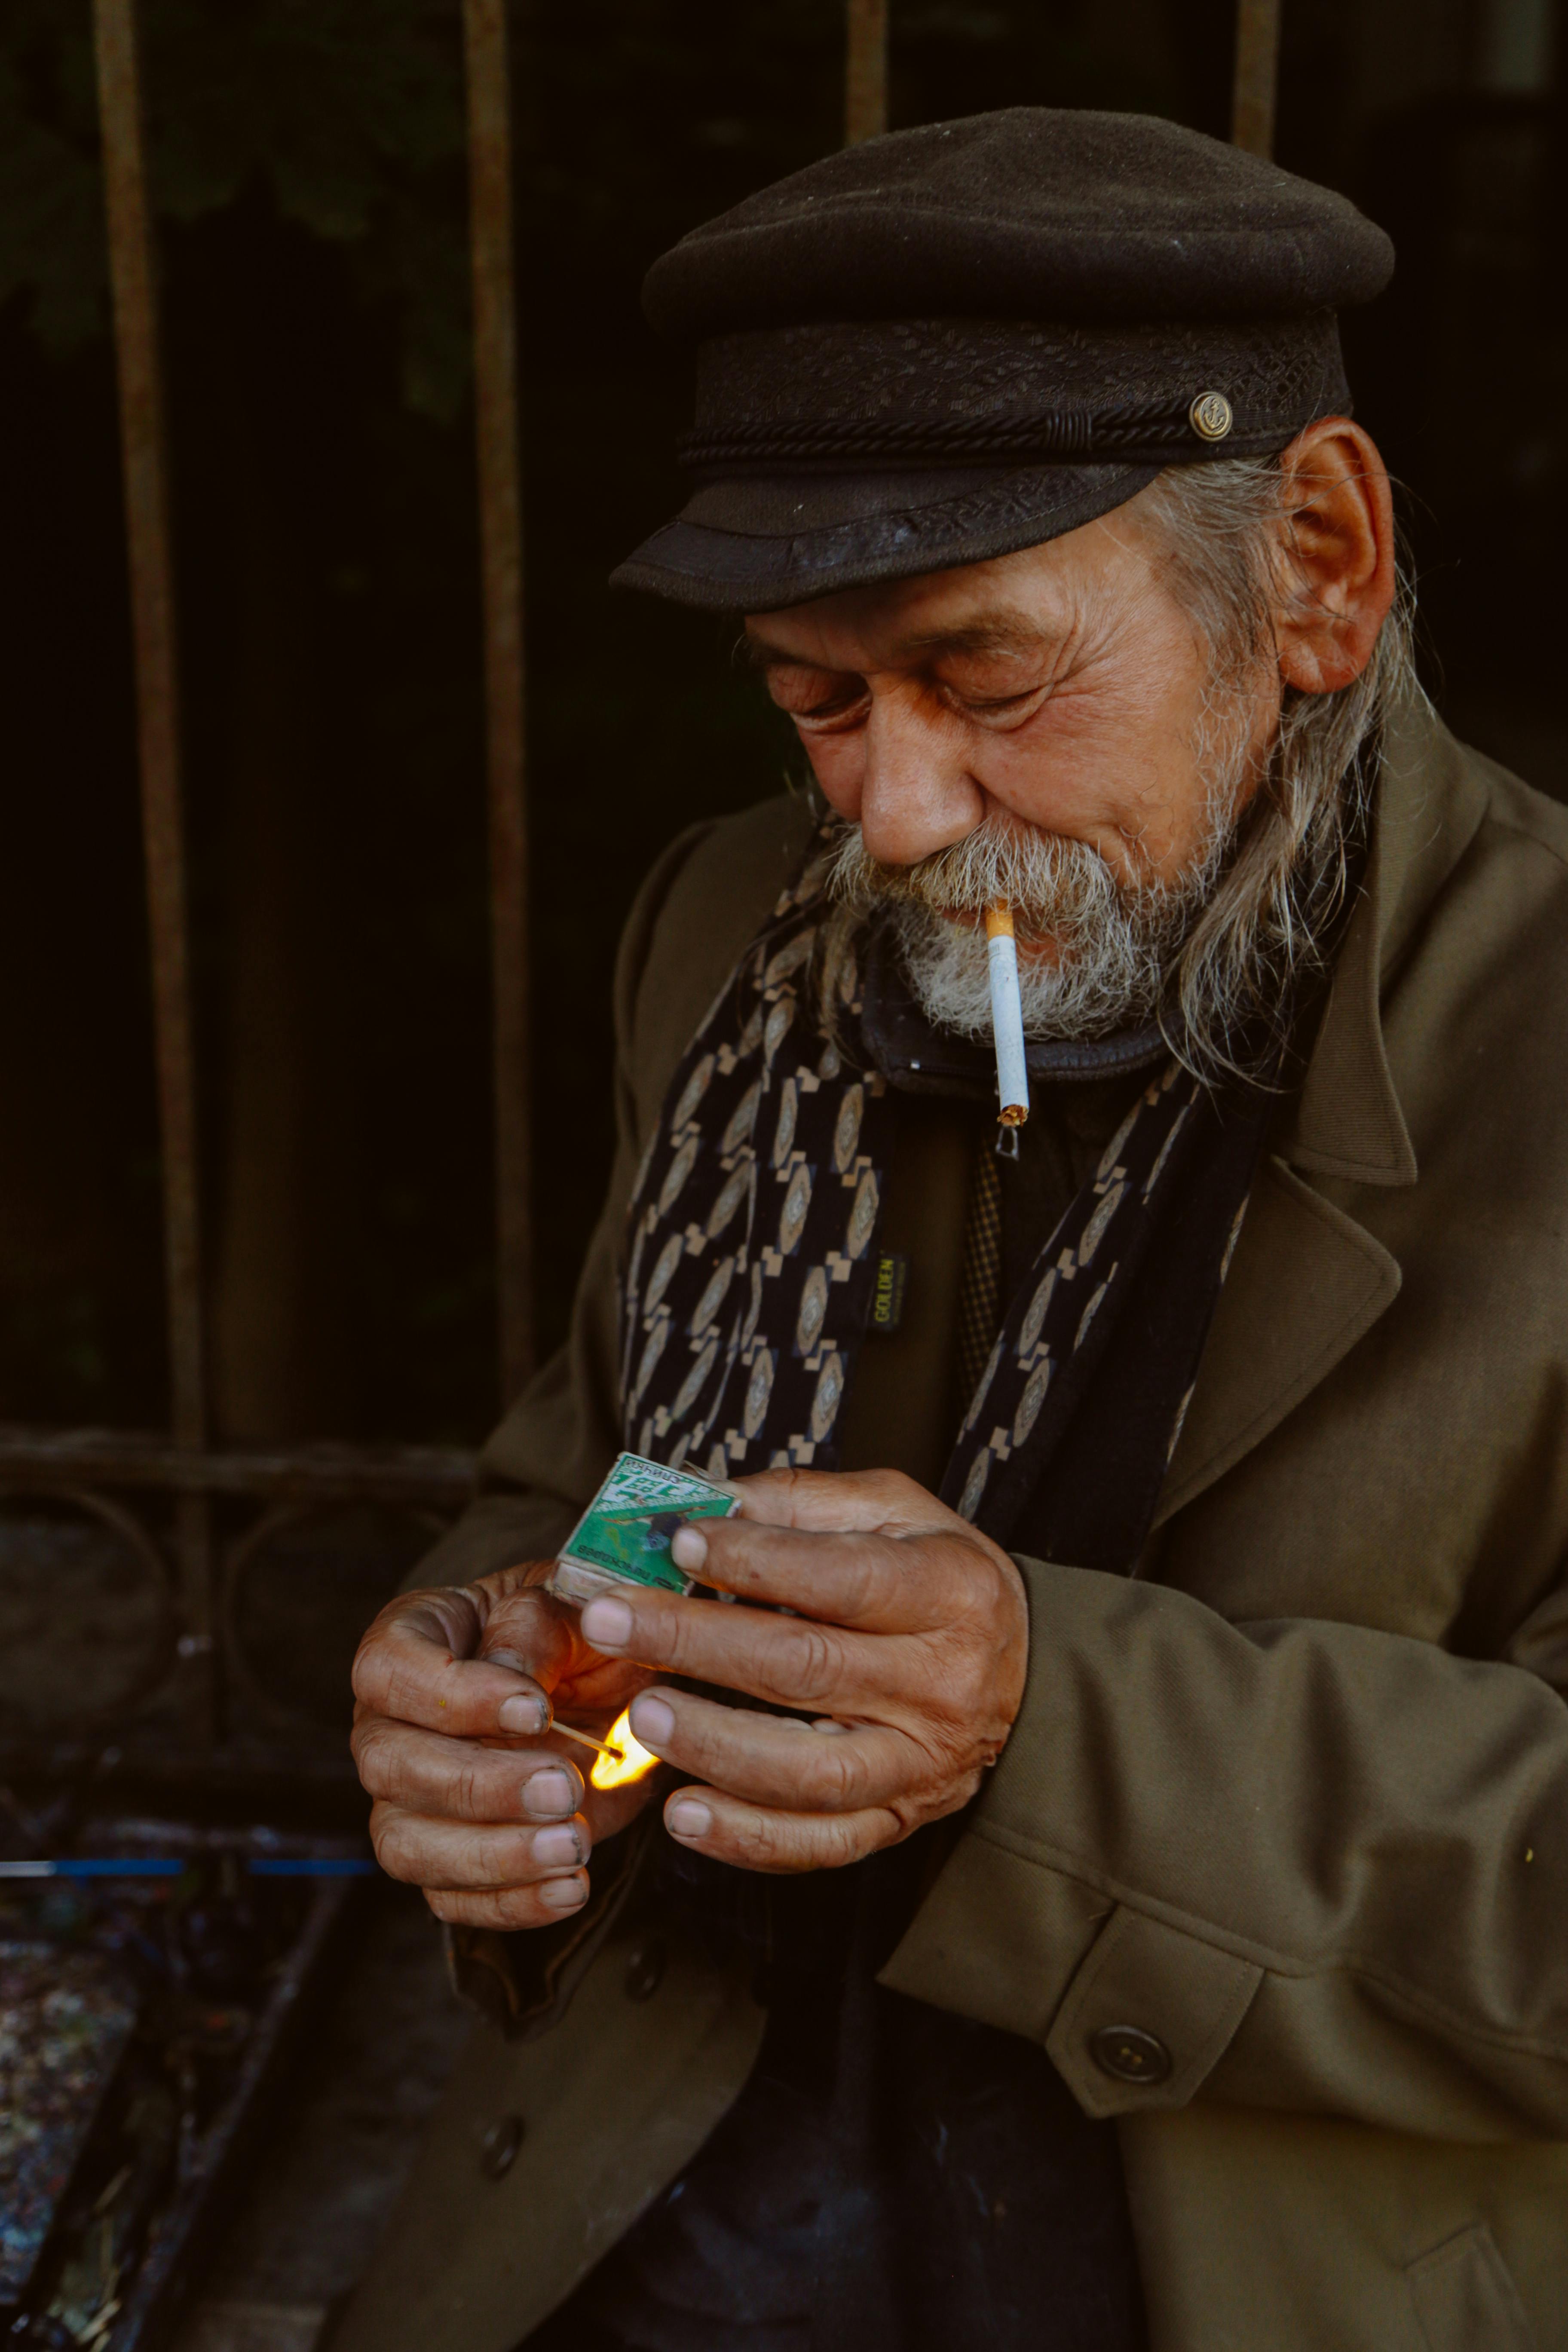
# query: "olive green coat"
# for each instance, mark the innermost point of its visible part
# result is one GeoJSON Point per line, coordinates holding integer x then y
{"type": "Point", "coordinates": [1293, 1799]}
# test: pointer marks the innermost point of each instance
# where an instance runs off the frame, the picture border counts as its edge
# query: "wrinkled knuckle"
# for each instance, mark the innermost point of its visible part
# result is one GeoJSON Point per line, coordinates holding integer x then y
{"type": "Point", "coordinates": [372, 1760]}
{"type": "Point", "coordinates": [811, 1662]}
{"type": "Point", "coordinates": [465, 1791]}
{"type": "Point", "coordinates": [395, 1850]}
{"type": "Point", "coordinates": [843, 1845]}
{"type": "Point", "coordinates": [763, 1840]}
{"type": "Point", "coordinates": [833, 1778]}
{"type": "Point", "coordinates": [367, 1676]}
{"type": "Point", "coordinates": [505, 1861]}
{"type": "Point", "coordinates": [662, 1634]}
{"type": "Point", "coordinates": [954, 1796]}
{"type": "Point", "coordinates": [519, 1907]}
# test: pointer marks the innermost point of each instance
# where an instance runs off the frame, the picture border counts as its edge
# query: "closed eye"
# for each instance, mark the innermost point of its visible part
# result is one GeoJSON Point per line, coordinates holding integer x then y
{"type": "Point", "coordinates": [997, 710]}
{"type": "Point", "coordinates": [842, 709]}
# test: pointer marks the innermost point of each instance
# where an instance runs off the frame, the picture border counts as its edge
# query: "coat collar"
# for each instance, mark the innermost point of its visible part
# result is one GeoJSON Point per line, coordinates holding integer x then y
{"type": "Point", "coordinates": [1308, 1280]}
{"type": "Point", "coordinates": [1347, 1120]}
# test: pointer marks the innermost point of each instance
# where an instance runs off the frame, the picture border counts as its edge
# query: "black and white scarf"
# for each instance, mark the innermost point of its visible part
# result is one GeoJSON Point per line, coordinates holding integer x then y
{"type": "Point", "coordinates": [751, 1261]}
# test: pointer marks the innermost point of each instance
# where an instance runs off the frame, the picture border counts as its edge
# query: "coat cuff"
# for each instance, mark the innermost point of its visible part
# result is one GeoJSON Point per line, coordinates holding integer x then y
{"type": "Point", "coordinates": [1014, 1938]}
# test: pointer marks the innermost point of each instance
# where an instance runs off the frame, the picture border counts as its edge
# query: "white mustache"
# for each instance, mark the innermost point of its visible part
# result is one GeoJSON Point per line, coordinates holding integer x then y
{"type": "Point", "coordinates": [1115, 941]}
{"type": "Point", "coordinates": [1050, 882]}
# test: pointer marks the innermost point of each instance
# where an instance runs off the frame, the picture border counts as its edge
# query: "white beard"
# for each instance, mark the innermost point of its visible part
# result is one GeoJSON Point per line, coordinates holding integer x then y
{"type": "Point", "coordinates": [1115, 943]}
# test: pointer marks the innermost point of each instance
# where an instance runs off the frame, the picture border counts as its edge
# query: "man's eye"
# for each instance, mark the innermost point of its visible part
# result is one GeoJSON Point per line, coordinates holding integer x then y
{"type": "Point", "coordinates": [998, 705]}
{"type": "Point", "coordinates": [834, 710]}
{"type": "Point", "coordinates": [821, 695]}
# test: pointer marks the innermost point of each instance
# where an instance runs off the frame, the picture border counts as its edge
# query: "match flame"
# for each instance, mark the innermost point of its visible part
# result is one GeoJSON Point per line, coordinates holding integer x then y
{"type": "Point", "coordinates": [628, 1761]}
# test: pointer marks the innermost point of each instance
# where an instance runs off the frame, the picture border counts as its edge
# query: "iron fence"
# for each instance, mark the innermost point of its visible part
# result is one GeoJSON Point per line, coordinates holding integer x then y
{"type": "Point", "coordinates": [190, 1518]}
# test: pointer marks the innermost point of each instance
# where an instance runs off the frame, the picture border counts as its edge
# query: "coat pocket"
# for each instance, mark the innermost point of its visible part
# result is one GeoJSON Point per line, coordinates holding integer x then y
{"type": "Point", "coordinates": [1465, 2299]}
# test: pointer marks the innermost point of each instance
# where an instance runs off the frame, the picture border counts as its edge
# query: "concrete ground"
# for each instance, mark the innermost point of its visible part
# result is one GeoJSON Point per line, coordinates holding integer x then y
{"type": "Point", "coordinates": [340, 2145]}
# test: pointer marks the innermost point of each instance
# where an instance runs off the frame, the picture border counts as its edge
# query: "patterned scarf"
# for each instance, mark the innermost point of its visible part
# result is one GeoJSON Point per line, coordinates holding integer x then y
{"type": "Point", "coordinates": [750, 1266]}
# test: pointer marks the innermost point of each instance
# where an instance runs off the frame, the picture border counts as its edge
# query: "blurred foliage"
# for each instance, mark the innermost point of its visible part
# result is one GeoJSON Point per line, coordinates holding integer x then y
{"type": "Point", "coordinates": [309, 176]}
{"type": "Point", "coordinates": [349, 111]}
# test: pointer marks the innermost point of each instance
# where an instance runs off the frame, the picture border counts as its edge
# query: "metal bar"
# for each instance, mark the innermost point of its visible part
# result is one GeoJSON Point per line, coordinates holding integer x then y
{"type": "Point", "coordinates": [261, 1775]}
{"type": "Point", "coordinates": [131, 272]}
{"type": "Point", "coordinates": [93, 1458]}
{"type": "Point", "coordinates": [185, 2229]}
{"type": "Point", "coordinates": [1256, 75]}
{"type": "Point", "coordinates": [865, 71]}
{"type": "Point", "coordinates": [500, 544]}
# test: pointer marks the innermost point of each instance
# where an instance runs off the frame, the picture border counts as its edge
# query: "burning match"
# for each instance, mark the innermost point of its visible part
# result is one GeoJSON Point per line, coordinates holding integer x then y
{"type": "Point", "coordinates": [620, 1759]}
{"type": "Point", "coordinates": [1007, 1016]}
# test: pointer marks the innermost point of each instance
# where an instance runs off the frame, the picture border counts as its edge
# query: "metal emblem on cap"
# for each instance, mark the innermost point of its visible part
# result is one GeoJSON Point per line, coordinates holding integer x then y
{"type": "Point", "coordinates": [1210, 417]}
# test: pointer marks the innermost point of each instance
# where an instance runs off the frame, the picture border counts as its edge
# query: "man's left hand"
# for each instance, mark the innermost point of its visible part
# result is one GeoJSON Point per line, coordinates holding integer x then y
{"type": "Point", "coordinates": [905, 1652]}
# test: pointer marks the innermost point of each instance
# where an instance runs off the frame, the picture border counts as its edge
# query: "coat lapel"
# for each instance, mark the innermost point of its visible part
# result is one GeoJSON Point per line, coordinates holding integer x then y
{"type": "Point", "coordinates": [1308, 1280]}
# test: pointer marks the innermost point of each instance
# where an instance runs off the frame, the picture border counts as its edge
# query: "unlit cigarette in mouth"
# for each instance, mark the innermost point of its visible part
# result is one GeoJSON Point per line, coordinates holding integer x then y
{"type": "Point", "coordinates": [1007, 1016]}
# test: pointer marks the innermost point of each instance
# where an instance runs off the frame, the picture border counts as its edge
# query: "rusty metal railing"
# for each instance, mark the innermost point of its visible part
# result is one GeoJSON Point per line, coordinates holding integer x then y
{"type": "Point", "coordinates": [1257, 82]}
{"type": "Point", "coordinates": [169, 1497]}
{"type": "Point", "coordinates": [130, 270]}
{"type": "Point", "coordinates": [117, 1479]}
{"type": "Point", "coordinates": [865, 70]}
{"type": "Point", "coordinates": [501, 535]}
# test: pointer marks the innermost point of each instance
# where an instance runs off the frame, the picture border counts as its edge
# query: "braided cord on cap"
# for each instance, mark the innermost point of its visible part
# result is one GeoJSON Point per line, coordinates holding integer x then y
{"type": "Point", "coordinates": [971, 392]}
{"type": "Point", "coordinates": [1127, 431]}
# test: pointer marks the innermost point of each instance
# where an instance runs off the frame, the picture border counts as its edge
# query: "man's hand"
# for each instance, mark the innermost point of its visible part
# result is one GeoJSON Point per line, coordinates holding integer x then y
{"type": "Point", "coordinates": [908, 1647]}
{"type": "Point", "coordinates": [474, 1802]}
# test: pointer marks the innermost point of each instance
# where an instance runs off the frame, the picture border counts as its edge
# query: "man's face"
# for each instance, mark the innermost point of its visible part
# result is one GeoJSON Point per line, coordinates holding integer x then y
{"type": "Point", "coordinates": [1063, 689]}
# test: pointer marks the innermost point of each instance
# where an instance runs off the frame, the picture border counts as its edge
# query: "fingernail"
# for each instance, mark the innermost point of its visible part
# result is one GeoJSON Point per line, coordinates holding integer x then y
{"type": "Point", "coordinates": [549, 1792]}
{"type": "Point", "coordinates": [554, 1848]}
{"type": "Point", "coordinates": [608, 1623]}
{"type": "Point", "coordinates": [653, 1721]}
{"type": "Point", "coordinates": [686, 1818]}
{"type": "Point", "coordinates": [563, 1894]}
{"type": "Point", "coordinates": [688, 1549]}
{"type": "Point", "coordinates": [528, 1715]}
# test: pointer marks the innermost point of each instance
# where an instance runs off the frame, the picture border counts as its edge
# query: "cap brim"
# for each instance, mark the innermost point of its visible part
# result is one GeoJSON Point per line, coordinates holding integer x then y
{"type": "Point", "coordinates": [757, 544]}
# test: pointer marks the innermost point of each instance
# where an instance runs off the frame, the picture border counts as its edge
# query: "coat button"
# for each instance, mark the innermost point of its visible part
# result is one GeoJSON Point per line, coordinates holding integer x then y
{"type": "Point", "coordinates": [645, 1971]}
{"type": "Point", "coordinates": [498, 2149]}
{"type": "Point", "coordinates": [1130, 2055]}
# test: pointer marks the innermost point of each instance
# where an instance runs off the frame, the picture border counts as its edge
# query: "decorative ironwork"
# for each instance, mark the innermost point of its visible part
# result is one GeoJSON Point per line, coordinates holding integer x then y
{"type": "Point", "coordinates": [160, 1492]}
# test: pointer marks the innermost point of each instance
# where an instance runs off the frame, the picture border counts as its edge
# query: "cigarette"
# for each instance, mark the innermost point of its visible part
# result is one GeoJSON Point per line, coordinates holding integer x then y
{"type": "Point", "coordinates": [1007, 1016]}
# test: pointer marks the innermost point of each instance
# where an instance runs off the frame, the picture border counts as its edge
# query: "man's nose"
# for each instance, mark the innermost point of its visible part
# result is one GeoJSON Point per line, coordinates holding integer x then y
{"type": "Point", "coordinates": [917, 794]}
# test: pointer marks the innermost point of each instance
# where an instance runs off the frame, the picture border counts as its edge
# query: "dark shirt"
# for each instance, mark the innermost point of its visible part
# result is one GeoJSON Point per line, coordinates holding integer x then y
{"type": "Point", "coordinates": [892, 2178]}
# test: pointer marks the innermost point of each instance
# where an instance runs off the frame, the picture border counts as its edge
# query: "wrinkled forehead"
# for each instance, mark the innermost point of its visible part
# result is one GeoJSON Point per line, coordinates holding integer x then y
{"type": "Point", "coordinates": [1010, 607]}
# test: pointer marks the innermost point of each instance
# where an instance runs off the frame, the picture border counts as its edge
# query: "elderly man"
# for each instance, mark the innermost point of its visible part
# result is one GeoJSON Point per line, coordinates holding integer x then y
{"type": "Point", "coordinates": [1109, 1886]}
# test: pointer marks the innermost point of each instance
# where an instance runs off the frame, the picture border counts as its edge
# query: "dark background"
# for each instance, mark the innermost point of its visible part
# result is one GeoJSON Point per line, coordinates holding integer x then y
{"type": "Point", "coordinates": [310, 180]}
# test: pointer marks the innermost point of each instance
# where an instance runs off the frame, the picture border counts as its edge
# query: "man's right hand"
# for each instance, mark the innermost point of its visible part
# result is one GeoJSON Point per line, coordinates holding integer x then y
{"type": "Point", "coordinates": [475, 1802]}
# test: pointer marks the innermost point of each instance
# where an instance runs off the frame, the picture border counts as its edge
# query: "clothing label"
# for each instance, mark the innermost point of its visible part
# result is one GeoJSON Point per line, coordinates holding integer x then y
{"type": "Point", "coordinates": [888, 1295]}
{"type": "Point", "coordinates": [623, 1535]}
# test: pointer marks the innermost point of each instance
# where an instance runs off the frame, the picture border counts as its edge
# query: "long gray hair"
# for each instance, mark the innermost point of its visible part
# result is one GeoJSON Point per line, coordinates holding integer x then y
{"type": "Point", "coordinates": [1265, 927]}
{"type": "Point", "coordinates": [1223, 989]}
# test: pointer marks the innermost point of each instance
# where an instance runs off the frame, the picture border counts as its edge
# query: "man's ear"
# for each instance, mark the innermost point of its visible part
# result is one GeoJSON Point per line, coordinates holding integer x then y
{"type": "Point", "coordinates": [1339, 579]}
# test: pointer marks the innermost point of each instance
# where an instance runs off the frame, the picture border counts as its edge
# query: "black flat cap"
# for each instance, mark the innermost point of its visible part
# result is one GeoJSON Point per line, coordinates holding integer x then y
{"type": "Point", "coordinates": [952, 343]}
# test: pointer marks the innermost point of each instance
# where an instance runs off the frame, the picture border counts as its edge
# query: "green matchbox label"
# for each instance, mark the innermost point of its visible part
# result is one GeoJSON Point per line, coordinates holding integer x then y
{"type": "Point", "coordinates": [627, 1528]}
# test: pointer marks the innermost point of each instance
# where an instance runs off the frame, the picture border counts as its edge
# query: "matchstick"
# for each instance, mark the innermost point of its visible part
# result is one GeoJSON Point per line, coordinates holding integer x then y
{"type": "Point", "coordinates": [567, 1733]}
{"type": "Point", "coordinates": [1006, 1017]}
